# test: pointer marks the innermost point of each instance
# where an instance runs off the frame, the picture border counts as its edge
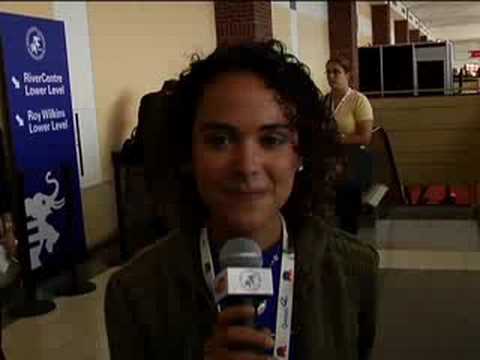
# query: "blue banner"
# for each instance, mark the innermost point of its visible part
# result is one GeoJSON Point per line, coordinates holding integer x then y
{"type": "Point", "coordinates": [42, 131]}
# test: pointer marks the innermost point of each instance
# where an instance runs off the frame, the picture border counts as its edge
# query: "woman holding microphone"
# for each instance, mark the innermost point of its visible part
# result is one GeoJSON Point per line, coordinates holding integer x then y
{"type": "Point", "coordinates": [246, 131]}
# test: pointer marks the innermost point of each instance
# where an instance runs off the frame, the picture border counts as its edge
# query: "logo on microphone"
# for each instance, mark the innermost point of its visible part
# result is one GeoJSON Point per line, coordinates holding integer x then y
{"type": "Point", "coordinates": [288, 275]}
{"type": "Point", "coordinates": [282, 351]}
{"type": "Point", "coordinates": [250, 280]}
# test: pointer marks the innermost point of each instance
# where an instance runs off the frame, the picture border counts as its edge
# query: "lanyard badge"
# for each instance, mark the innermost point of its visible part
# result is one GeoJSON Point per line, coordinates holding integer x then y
{"type": "Point", "coordinates": [285, 291]}
{"type": "Point", "coordinates": [340, 104]}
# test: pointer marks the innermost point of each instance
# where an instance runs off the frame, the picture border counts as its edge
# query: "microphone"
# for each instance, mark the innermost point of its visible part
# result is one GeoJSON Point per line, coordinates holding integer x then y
{"type": "Point", "coordinates": [242, 280]}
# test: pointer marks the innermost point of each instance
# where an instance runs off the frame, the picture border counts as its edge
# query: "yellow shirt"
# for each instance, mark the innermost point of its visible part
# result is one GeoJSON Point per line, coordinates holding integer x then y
{"type": "Point", "coordinates": [353, 109]}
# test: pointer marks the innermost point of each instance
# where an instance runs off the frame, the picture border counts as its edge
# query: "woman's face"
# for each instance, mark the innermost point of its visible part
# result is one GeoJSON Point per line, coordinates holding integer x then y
{"type": "Point", "coordinates": [336, 76]}
{"type": "Point", "coordinates": [244, 152]}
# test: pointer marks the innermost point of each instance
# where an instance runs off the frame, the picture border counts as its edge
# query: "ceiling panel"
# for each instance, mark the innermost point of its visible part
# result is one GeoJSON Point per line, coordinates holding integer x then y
{"type": "Point", "coordinates": [451, 20]}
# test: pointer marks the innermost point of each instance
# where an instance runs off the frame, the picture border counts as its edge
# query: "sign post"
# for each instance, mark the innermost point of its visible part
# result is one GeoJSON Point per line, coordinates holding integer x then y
{"type": "Point", "coordinates": [42, 140]}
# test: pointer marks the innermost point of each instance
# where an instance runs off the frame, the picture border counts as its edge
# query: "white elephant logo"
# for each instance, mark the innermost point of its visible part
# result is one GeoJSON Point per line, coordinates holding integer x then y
{"type": "Point", "coordinates": [35, 42]}
{"type": "Point", "coordinates": [37, 209]}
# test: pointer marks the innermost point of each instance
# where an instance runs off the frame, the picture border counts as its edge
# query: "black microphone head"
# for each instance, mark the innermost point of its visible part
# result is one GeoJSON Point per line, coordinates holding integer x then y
{"type": "Point", "coordinates": [241, 252]}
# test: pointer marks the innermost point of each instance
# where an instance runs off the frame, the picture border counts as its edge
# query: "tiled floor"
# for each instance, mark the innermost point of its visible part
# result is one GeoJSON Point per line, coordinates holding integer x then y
{"type": "Point", "coordinates": [428, 315]}
{"type": "Point", "coordinates": [429, 260]}
{"type": "Point", "coordinates": [424, 235]}
{"type": "Point", "coordinates": [428, 299]}
{"type": "Point", "coordinates": [74, 331]}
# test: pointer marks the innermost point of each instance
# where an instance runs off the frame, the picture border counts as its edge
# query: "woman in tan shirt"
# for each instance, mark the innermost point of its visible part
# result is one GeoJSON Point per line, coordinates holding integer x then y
{"type": "Point", "coordinates": [354, 118]}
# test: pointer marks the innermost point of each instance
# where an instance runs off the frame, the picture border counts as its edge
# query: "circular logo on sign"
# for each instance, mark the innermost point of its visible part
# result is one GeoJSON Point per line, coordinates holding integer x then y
{"type": "Point", "coordinates": [35, 42]}
{"type": "Point", "coordinates": [250, 280]}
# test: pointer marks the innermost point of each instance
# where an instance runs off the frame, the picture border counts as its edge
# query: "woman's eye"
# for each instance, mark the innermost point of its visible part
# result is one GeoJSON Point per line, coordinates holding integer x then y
{"type": "Point", "coordinates": [275, 140]}
{"type": "Point", "coordinates": [218, 140]}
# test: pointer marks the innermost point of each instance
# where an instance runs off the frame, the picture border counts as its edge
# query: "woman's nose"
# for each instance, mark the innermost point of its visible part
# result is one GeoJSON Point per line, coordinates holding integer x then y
{"type": "Point", "coordinates": [247, 157]}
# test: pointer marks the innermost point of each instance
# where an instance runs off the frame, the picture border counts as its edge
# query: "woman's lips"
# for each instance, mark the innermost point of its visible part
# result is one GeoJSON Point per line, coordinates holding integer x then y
{"type": "Point", "coordinates": [247, 195]}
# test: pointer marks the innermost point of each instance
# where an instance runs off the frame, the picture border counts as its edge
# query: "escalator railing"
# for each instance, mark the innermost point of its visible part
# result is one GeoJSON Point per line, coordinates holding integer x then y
{"type": "Point", "coordinates": [385, 170]}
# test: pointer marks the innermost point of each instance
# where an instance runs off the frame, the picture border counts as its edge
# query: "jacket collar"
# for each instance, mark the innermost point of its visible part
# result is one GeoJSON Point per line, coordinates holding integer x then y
{"type": "Point", "coordinates": [189, 264]}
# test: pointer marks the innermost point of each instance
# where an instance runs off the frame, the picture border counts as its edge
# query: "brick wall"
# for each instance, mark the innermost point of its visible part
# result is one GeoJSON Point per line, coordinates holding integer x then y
{"type": "Point", "coordinates": [342, 29]}
{"type": "Point", "coordinates": [401, 32]}
{"type": "Point", "coordinates": [381, 24]}
{"type": "Point", "coordinates": [414, 35]}
{"type": "Point", "coordinates": [238, 21]}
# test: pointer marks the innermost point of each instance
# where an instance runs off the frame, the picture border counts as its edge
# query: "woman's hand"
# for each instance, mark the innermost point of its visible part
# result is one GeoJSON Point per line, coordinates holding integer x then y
{"type": "Point", "coordinates": [230, 342]}
{"type": "Point", "coordinates": [362, 135]}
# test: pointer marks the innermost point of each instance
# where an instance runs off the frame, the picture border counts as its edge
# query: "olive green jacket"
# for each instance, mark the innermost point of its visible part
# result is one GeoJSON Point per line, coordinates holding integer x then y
{"type": "Point", "coordinates": [158, 306]}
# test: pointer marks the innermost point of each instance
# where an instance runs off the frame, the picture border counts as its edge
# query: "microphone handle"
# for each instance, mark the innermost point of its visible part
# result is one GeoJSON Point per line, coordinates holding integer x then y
{"type": "Point", "coordinates": [242, 301]}
{"type": "Point", "coordinates": [251, 322]}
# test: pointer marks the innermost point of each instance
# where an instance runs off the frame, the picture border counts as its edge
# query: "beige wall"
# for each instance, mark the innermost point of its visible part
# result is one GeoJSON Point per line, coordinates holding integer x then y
{"type": "Point", "coordinates": [281, 23]}
{"type": "Point", "coordinates": [364, 16]}
{"type": "Point", "coordinates": [29, 8]}
{"type": "Point", "coordinates": [135, 47]}
{"type": "Point", "coordinates": [435, 139]}
{"type": "Point", "coordinates": [312, 30]}
{"type": "Point", "coordinates": [314, 46]}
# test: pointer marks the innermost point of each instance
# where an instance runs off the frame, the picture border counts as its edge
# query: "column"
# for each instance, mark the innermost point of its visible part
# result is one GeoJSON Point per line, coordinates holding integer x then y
{"type": "Point", "coordinates": [414, 35]}
{"type": "Point", "coordinates": [381, 24]}
{"type": "Point", "coordinates": [342, 26]}
{"type": "Point", "coordinates": [401, 32]}
{"type": "Point", "coordinates": [239, 21]}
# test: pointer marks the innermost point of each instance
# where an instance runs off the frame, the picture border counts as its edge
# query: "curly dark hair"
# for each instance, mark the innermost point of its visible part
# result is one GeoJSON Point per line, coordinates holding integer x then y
{"type": "Point", "coordinates": [299, 98]}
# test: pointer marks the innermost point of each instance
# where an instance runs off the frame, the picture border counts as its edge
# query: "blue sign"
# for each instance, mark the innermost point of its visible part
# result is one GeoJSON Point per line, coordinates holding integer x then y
{"type": "Point", "coordinates": [42, 131]}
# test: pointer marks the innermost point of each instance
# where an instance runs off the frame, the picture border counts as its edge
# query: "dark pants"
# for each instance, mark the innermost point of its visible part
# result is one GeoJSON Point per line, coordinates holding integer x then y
{"type": "Point", "coordinates": [358, 178]}
{"type": "Point", "coordinates": [348, 200]}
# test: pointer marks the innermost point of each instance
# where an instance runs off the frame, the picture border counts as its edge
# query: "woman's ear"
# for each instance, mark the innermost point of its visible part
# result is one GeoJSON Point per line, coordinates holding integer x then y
{"type": "Point", "coordinates": [348, 75]}
{"type": "Point", "coordinates": [300, 164]}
